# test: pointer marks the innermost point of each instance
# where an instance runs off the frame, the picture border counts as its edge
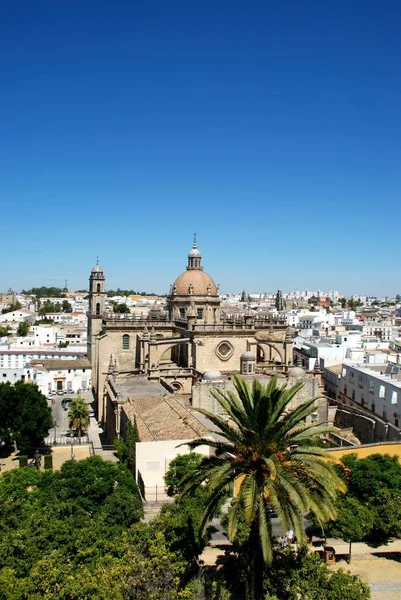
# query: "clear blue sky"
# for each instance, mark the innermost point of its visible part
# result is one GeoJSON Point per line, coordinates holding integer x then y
{"type": "Point", "coordinates": [272, 129]}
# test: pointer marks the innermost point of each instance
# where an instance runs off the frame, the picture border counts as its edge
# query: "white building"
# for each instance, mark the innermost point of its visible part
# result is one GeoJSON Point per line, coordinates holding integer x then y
{"type": "Point", "coordinates": [384, 330]}
{"type": "Point", "coordinates": [13, 363]}
{"type": "Point", "coordinates": [349, 346]}
{"type": "Point", "coordinates": [376, 389]}
{"type": "Point", "coordinates": [17, 316]}
{"type": "Point", "coordinates": [60, 375]}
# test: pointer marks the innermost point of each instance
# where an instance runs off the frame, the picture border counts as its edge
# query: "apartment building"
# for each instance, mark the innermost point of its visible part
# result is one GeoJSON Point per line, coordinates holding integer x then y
{"type": "Point", "coordinates": [375, 388]}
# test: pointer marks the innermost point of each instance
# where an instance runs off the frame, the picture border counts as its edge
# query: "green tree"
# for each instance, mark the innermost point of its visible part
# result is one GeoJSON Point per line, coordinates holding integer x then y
{"type": "Point", "coordinates": [131, 438]}
{"type": "Point", "coordinates": [15, 306]}
{"type": "Point", "coordinates": [354, 522]}
{"type": "Point", "coordinates": [121, 308]}
{"type": "Point", "coordinates": [261, 453]}
{"type": "Point", "coordinates": [4, 330]}
{"type": "Point", "coordinates": [180, 468]}
{"type": "Point", "coordinates": [375, 483]}
{"type": "Point", "coordinates": [66, 306]}
{"type": "Point", "coordinates": [49, 307]}
{"type": "Point", "coordinates": [45, 292]}
{"type": "Point", "coordinates": [24, 415]}
{"type": "Point", "coordinates": [78, 415]}
{"type": "Point", "coordinates": [125, 447]}
{"type": "Point", "coordinates": [23, 328]}
{"type": "Point", "coordinates": [302, 574]}
{"type": "Point", "coordinates": [85, 516]}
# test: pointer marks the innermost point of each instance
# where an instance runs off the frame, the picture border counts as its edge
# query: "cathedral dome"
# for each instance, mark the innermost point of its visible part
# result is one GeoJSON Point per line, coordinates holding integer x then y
{"type": "Point", "coordinates": [296, 372]}
{"type": "Point", "coordinates": [212, 375]}
{"type": "Point", "coordinates": [97, 269]}
{"type": "Point", "coordinates": [248, 356]}
{"type": "Point", "coordinates": [195, 282]}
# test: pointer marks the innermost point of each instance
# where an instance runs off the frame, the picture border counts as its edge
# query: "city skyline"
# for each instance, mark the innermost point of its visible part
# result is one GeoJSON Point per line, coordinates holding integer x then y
{"type": "Point", "coordinates": [272, 131]}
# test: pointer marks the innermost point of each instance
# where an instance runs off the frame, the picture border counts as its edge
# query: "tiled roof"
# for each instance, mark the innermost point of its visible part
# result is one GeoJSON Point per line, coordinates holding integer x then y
{"type": "Point", "coordinates": [163, 418]}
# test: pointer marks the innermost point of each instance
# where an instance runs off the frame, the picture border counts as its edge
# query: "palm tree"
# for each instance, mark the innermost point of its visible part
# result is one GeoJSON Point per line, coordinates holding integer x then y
{"type": "Point", "coordinates": [268, 450]}
{"type": "Point", "coordinates": [78, 415]}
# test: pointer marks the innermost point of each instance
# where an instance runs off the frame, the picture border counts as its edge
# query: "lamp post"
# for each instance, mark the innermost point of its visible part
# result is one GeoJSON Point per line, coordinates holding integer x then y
{"type": "Point", "coordinates": [72, 455]}
{"type": "Point", "coordinates": [55, 425]}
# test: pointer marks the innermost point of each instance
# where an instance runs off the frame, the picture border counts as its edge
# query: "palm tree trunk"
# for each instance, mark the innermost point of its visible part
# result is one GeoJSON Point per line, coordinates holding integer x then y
{"type": "Point", "coordinates": [256, 564]}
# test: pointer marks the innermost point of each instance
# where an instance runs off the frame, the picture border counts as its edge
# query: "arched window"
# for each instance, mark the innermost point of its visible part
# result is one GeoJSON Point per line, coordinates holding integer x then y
{"type": "Point", "coordinates": [98, 287]}
{"type": "Point", "coordinates": [125, 342]}
{"type": "Point", "coordinates": [98, 308]}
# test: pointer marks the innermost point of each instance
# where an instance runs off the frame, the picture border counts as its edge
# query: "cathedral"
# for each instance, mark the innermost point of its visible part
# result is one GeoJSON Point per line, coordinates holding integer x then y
{"type": "Point", "coordinates": [189, 343]}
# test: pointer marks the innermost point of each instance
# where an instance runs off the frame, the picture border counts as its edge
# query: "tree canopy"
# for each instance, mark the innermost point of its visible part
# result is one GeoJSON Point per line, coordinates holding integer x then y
{"type": "Point", "coordinates": [46, 292]}
{"type": "Point", "coordinates": [23, 329]}
{"type": "Point", "coordinates": [120, 308]}
{"type": "Point", "coordinates": [67, 534]}
{"type": "Point", "coordinates": [374, 495]}
{"type": "Point", "coordinates": [25, 416]}
{"type": "Point", "coordinates": [302, 574]}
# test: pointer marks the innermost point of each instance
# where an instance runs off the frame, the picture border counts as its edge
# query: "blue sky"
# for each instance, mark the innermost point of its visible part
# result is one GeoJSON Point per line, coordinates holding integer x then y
{"type": "Point", "coordinates": [272, 129]}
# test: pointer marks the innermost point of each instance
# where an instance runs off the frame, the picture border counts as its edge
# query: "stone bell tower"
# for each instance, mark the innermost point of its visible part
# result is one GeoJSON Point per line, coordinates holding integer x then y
{"type": "Point", "coordinates": [97, 298]}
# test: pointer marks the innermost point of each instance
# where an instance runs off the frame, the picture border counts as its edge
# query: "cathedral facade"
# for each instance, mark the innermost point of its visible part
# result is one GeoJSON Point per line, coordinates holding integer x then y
{"type": "Point", "coordinates": [185, 345]}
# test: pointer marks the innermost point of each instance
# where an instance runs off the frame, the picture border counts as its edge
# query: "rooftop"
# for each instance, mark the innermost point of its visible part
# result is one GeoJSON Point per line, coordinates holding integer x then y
{"type": "Point", "coordinates": [163, 418]}
{"type": "Point", "coordinates": [59, 365]}
{"type": "Point", "coordinates": [381, 372]}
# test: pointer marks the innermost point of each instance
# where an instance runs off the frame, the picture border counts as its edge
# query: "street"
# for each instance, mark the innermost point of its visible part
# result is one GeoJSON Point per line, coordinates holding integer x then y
{"type": "Point", "coordinates": [60, 416]}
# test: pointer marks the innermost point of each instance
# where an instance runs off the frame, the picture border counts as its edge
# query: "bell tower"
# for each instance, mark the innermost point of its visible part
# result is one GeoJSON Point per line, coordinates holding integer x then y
{"type": "Point", "coordinates": [97, 298]}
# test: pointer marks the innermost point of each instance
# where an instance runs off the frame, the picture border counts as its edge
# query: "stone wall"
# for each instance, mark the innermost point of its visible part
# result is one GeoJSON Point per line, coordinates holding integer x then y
{"type": "Point", "coordinates": [367, 428]}
{"type": "Point", "coordinates": [202, 396]}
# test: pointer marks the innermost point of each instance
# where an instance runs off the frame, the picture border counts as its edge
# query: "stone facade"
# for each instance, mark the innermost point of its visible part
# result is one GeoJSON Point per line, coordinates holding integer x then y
{"type": "Point", "coordinates": [190, 339]}
{"type": "Point", "coordinates": [203, 397]}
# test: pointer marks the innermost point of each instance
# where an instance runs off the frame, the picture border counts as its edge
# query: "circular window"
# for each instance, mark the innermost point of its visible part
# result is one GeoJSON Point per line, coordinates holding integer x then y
{"type": "Point", "coordinates": [224, 350]}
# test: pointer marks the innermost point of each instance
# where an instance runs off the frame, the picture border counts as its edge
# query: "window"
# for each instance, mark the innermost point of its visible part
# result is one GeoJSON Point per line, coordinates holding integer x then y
{"type": "Point", "coordinates": [125, 342]}
{"type": "Point", "coordinates": [382, 392]}
{"type": "Point", "coordinates": [182, 312]}
{"type": "Point", "coordinates": [344, 372]}
{"type": "Point", "coordinates": [98, 308]}
{"type": "Point", "coordinates": [371, 386]}
{"type": "Point", "coordinates": [394, 397]}
{"type": "Point", "coordinates": [98, 287]}
{"type": "Point", "coordinates": [351, 375]}
{"type": "Point", "coordinates": [224, 350]}
{"type": "Point", "coordinates": [353, 394]}
{"type": "Point", "coordinates": [200, 313]}
{"type": "Point", "coordinates": [360, 381]}
{"type": "Point", "coordinates": [373, 407]}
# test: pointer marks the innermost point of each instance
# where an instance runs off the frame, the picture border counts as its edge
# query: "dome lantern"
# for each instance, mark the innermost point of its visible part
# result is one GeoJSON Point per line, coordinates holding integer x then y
{"type": "Point", "coordinates": [194, 257]}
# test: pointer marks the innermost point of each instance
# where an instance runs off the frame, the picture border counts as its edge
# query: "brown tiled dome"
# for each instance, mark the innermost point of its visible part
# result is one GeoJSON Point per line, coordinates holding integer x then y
{"type": "Point", "coordinates": [199, 281]}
